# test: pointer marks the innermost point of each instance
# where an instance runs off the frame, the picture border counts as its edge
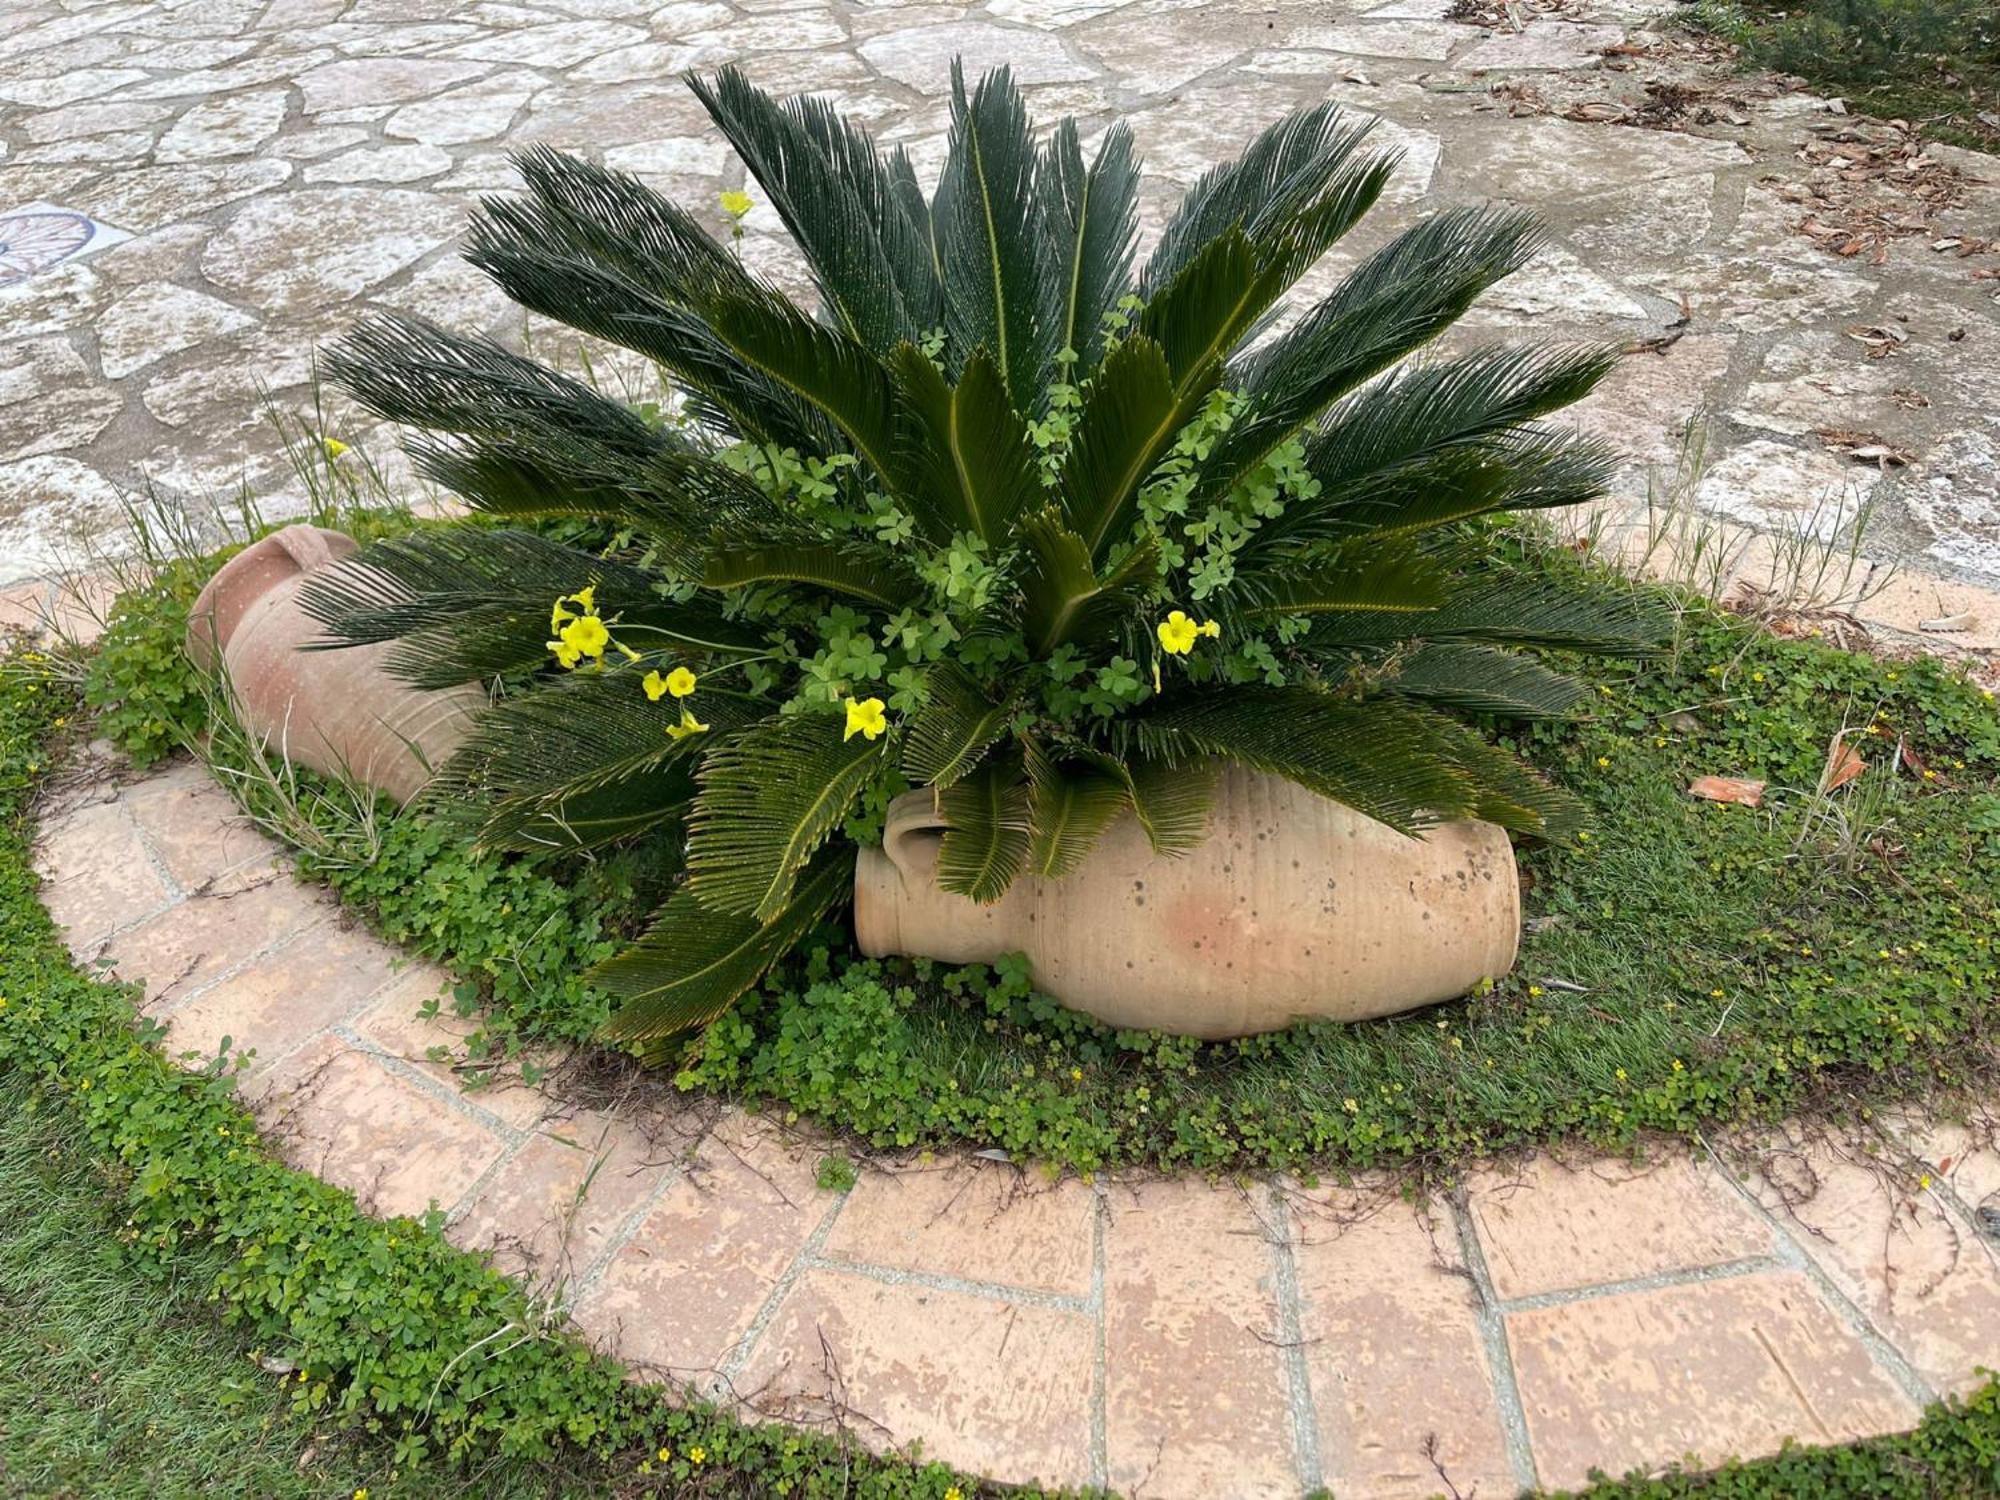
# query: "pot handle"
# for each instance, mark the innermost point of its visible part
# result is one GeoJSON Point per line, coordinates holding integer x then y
{"type": "Point", "coordinates": [911, 835]}
{"type": "Point", "coordinates": [309, 547]}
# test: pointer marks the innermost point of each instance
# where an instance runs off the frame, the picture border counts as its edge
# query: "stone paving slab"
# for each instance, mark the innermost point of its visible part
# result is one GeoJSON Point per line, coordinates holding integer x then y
{"type": "Point", "coordinates": [1169, 1338]}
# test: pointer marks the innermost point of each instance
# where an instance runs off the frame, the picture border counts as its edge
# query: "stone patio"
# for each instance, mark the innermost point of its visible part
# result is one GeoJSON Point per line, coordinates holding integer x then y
{"type": "Point", "coordinates": [1168, 1338]}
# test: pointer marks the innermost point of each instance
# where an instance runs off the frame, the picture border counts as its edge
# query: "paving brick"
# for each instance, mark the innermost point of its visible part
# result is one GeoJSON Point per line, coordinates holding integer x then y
{"type": "Point", "coordinates": [193, 825]}
{"type": "Point", "coordinates": [986, 1385]}
{"type": "Point", "coordinates": [679, 1295]}
{"type": "Point", "coordinates": [95, 874]}
{"type": "Point", "coordinates": [314, 980]}
{"type": "Point", "coordinates": [394, 1024]}
{"type": "Point", "coordinates": [1393, 1351]}
{"type": "Point", "coordinates": [1701, 1371]}
{"type": "Point", "coordinates": [396, 1146]}
{"type": "Point", "coordinates": [197, 941]}
{"type": "Point", "coordinates": [1195, 1387]}
{"type": "Point", "coordinates": [1924, 1279]}
{"type": "Point", "coordinates": [983, 1221]}
{"type": "Point", "coordinates": [1548, 1227]}
{"type": "Point", "coordinates": [551, 1210]}
{"type": "Point", "coordinates": [1965, 1159]}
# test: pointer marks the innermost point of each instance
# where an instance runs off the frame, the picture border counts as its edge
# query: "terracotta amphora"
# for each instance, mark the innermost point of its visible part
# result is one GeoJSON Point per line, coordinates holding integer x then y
{"type": "Point", "coordinates": [1294, 907]}
{"type": "Point", "coordinates": [338, 712]}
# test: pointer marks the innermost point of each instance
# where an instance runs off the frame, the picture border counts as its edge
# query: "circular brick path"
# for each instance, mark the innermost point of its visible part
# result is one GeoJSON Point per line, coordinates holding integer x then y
{"type": "Point", "coordinates": [1167, 1337]}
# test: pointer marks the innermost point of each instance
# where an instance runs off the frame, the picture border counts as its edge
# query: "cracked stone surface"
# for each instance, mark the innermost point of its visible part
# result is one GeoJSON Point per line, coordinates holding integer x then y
{"type": "Point", "coordinates": [284, 166]}
{"type": "Point", "coordinates": [1179, 1339]}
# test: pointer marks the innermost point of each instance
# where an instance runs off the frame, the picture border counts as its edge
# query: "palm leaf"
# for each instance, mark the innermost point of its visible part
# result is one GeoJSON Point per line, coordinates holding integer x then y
{"type": "Point", "coordinates": [1203, 313]}
{"type": "Point", "coordinates": [985, 843]}
{"type": "Point", "coordinates": [858, 570]}
{"type": "Point", "coordinates": [1516, 611]}
{"type": "Point", "coordinates": [966, 461]}
{"type": "Point", "coordinates": [693, 961]}
{"type": "Point", "coordinates": [1070, 804]}
{"type": "Point", "coordinates": [1063, 596]}
{"type": "Point", "coordinates": [1478, 679]}
{"type": "Point", "coordinates": [644, 802]}
{"type": "Point", "coordinates": [991, 246]}
{"type": "Point", "coordinates": [870, 259]}
{"type": "Point", "coordinates": [1379, 757]}
{"type": "Point", "coordinates": [1092, 219]}
{"type": "Point", "coordinates": [769, 798]}
{"type": "Point", "coordinates": [1364, 576]}
{"type": "Point", "coordinates": [1130, 417]}
{"type": "Point", "coordinates": [956, 726]}
{"type": "Point", "coordinates": [1171, 801]}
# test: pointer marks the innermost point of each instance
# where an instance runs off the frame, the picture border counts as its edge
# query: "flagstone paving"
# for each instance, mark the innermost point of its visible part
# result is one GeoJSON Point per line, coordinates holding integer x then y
{"type": "Point", "coordinates": [259, 173]}
{"type": "Point", "coordinates": [1172, 1338]}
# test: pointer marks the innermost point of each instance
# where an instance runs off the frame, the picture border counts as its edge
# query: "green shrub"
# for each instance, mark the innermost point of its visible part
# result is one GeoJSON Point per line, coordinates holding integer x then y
{"type": "Point", "coordinates": [1006, 520]}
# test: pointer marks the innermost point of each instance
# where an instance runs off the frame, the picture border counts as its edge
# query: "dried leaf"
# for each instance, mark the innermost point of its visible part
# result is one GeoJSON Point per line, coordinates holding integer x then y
{"type": "Point", "coordinates": [1944, 624]}
{"type": "Point", "coordinates": [1843, 764]}
{"type": "Point", "coordinates": [1727, 789]}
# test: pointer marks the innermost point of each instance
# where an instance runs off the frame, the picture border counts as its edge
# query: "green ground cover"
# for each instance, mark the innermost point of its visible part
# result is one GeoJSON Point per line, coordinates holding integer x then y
{"type": "Point", "coordinates": [1933, 63]}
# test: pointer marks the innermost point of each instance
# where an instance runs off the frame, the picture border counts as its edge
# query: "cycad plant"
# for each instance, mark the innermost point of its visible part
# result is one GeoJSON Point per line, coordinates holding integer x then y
{"type": "Point", "coordinates": [1004, 519]}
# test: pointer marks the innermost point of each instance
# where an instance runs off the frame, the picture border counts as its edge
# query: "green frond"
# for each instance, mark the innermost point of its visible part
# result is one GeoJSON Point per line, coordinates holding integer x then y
{"type": "Point", "coordinates": [769, 798]}
{"type": "Point", "coordinates": [1481, 680]}
{"type": "Point", "coordinates": [855, 569]}
{"type": "Point", "coordinates": [870, 257]}
{"type": "Point", "coordinates": [1401, 297]}
{"type": "Point", "coordinates": [1171, 801]}
{"type": "Point", "coordinates": [1504, 790]}
{"type": "Point", "coordinates": [990, 241]}
{"type": "Point", "coordinates": [985, 843]}
{"type": "Point", "coordinates": [461, 603]}
{"type": "Point", "coordinates": [1091, 216]}
{"type": "Point", "coordinates": [1130, 418]}
{"type": "Point", "coordinates": [1284, 170]}
{"type": "Point", "coordinates": [820, 365]}
{"type": "Point", "coordinates": [1204, 312]}
{"type": "Point", "coordinates": [1070, 804]}
{"type": "Point", "coordinates": [647, 802]}
{"type": "Point", "coordinates": [1508, 611]}
{"type": "Point", "coordinates": [1364, 576]}
{"type": "Point", "coordinates": [965, 457]}
{"type": "Point", "coordinates": [1063, 596]}
{"type": "Point", "coordinates": [1379, 757]}
{"type": "Point", "coordinates": [693, 961]}
{"type": "Point", "coordinates": [956, 726]}
{"type": "Point", "coordinates": [566, 282]}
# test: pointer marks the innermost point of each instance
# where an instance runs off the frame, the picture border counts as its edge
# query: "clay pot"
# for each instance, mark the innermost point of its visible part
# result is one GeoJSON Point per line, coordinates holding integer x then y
{"type": "Point", "coordinates": [339, 712]}
{"type": "Point", "coordinates": [1294, 907]}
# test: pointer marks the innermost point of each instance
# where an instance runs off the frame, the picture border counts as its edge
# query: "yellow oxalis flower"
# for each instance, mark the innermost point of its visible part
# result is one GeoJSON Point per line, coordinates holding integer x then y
{"type": "Point", "coordinates": [333, 445]}
{"type": "Point", "coordinates": [586, 635]}
{"type": "Point", "coordinates": [736, 205]}
{"type": "Point", "coordinates": [680, 682]}
{"type": "Point", "coordinates": [688, 725]}
{"type": "Point", "coordinates": [866, 718]}
{"type": "Point", "coordinates": [1178, 634]}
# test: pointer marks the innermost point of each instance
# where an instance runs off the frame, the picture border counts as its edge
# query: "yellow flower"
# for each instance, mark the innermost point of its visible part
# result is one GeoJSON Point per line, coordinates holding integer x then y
{"type": "Point", "coordinates": [866, 718]}
{"type": "Point", "coordinates": [1178, 634]}
{"type": "Point", "coordinates": [1603, 761]}
{"type": "Point", "coordinates": [954, 1493]}
{"type": "Point", "coordinates": [697, 1455]}
{"type": "Point", "coordinates": [1924, 1181]}
{"type": "Point", "coordinates": [665, 1453]}
{"type": "Point", "coordinates": [586, 635]}
{"type": "Point", "coordinates": [1715, 994]}
{"type": "Point", "coordinates": [333, 445]}
{"type": "Point", "coordinates": [1534, 990]}
{"type": "Point", "coordinates": [736, 205]}
{"type": "Point", "coordinates": [688, 725]}
{"type": "Point", "coordinates": [361, 1493]}
{"type": "Point", "coordinates": [680, 682]}
{"type": "Point", "coordinates": [1622, 1075]}
{"type": "Point", "coordinates": [1212, 629]}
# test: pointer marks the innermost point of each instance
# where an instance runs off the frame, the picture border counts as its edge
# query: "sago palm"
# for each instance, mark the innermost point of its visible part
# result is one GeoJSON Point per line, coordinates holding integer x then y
{"type": "Point", "coordinates": [1003, 519]}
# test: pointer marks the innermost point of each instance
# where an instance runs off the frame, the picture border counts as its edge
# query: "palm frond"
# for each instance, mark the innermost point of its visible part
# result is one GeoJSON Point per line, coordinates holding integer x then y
{"type": "Point", "coordinates": [693, 961]}
{"type": "Point", "coordinates": [1481, 680]}
{"type": "Point", "coordinates": [769, 798]}
{"type": "Point", "coordinates": [869, 257]}
{"type": "Point", "coordinates": [1092, 220]}
{"type": "Point", "coordinates": [1171, 801]}
{"type": "Point", "coordinates": [1401, 297]}
{"type": "Point", "coordinates": [1205, 311]}
{"type": "Point", "coordinates": [646, 802]}
{"type": "Point", "coordinates": [965, 458]}
{"type": "Point", "coordinates": [1364, 576]}
{"type": "Point", "coordinates": [1511, 611]}
{"type": "Point", "coordinates": [1130, 418]}
{"type": "Point", "coordinates": [854, 569]}
{"type": "Point", "coordinates": [1379, 757]}
{"type": "Point", "coordinates": [990, 240]}
{"type": "Point", "coordinates": [1523, 469]}
{"type": "Point", "coordinates": [956, 726]}
{"type": "Point", "coordinates": [1504, 790]}
{"type": "Point", "coordinates": [1064, 598]}
{"type": "Point", "coordinates": [1070, 804]}
{"type": "Point", "coordinates": [985, 843]}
